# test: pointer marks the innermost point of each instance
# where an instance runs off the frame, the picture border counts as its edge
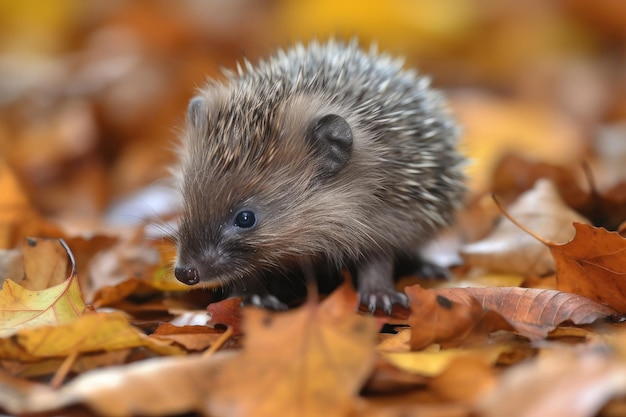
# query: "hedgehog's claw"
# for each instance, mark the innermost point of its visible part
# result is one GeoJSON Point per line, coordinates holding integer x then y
{"type": "Point", "coordinates": [266, 301]}
{"type": "Point", "coordinates": [383, 299]}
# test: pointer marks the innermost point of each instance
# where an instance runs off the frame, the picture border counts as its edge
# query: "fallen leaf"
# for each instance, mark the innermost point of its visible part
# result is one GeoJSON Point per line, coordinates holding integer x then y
{"type": "Point", "coordinates": [512, 250]}
{"type": "Point", "coordinates": [434, 363]}
{"type": "Point", "coordinates": [92, 332]}
{"type": "Point", "coordinates": [436, 319]}
{"type": "Point", "coordinates": [465, 380]}
{"type": "Point", "coordinates": [157, 386]}
{"type": "Point", "coordinates": [20, 307]}
{"type": "Point", "coordinates": [192, 338]}
{"type": "Point", "coordinates": [310, 361]}
{"type": "Point", "coordinates": [45, 263]}
{"type": "Point", "coordinates": [531, 312]}
{"type": "Point", "coordinates": [83, 363]}
{"type": "Point", "coordinates": [226, 312]}
{"type": "Point", "coordinates": [396, 343]}
{"type": "Point", "coordinates": [593, 265]}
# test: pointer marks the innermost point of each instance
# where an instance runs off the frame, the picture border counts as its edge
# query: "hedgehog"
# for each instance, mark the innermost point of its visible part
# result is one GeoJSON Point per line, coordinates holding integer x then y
{"type": "Point", "coordinates": [324, 154]}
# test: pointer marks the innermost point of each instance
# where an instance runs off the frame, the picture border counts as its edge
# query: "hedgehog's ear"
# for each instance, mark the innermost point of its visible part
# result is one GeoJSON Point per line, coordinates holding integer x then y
{"type": "Point", "coordinates": [331, 136]}
{"type": "Point", "coordinates": [196, 113]}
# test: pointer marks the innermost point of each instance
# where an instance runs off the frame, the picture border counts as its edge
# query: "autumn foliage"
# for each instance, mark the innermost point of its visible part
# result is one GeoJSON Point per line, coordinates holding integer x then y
{"type": "Point", "coordinates": [530, 323]}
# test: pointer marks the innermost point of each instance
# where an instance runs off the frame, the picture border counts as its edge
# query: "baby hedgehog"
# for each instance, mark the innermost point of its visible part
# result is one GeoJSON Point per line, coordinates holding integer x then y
{"type": "Point", "coordinates": [321, 155]}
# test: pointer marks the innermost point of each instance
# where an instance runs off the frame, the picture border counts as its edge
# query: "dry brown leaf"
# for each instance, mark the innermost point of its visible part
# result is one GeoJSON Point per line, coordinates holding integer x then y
{"type": "Point", "coordinates": [436, 319]}
{"type": "Point", "coordinates": [532, 312]}
{"type": "Point", "coordinates": [593, 265]}
{"type": "Point", "coordinates": [45, 263]}
{"type": "Point", "coordinates": [510, 249]}
{"type": "Point", "coordinates": [110, 295]}
{"type": "Point", "coordinates": [226, 312]}
{"type": "Point", "coordinates": [311, 361]}
{"type": "Point", "coordinates": [193, 338]}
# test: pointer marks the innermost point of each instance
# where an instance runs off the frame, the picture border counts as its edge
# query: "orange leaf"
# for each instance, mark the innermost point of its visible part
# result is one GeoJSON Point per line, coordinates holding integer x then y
{"type": "Point", "coordinates": [227, 312]}
{"type": "Point", "coordinates": [310, 361]}
{"type": "Point", "coordinates": [593, 264]}
{"type": "Point", "coordinates": [437, 319]}
{"type": "Point", "coordinates": [190, 337]}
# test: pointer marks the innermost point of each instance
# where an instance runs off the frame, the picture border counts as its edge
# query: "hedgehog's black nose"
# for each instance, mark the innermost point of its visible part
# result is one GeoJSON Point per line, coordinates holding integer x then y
{"type": "Point", "coordinates": [186, 275]}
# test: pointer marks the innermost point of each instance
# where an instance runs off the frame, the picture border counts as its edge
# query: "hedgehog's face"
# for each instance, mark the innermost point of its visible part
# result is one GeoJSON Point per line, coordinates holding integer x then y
{"type": "Point", "coordinates": [252, 190]}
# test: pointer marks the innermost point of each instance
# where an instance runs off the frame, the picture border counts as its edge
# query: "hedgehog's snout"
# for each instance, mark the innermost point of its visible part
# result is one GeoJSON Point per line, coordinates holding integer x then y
{"type": "Point", "coordinates": [186, 275]}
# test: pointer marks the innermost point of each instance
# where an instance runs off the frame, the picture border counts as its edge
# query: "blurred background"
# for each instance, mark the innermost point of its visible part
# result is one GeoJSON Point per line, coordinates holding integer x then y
{"type": "Point", "coordinates": [93, 94]}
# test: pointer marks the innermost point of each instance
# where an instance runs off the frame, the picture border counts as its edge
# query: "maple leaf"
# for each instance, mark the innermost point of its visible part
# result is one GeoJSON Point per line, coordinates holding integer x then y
{"type": "Point", "coordinates": [311, 361]}
{"type": "Point", "coordinates": [593, 264]}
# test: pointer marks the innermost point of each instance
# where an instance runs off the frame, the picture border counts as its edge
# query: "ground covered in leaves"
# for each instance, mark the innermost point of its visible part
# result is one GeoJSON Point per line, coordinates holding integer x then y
{"type": "Point", "coordinates": [92, 322]}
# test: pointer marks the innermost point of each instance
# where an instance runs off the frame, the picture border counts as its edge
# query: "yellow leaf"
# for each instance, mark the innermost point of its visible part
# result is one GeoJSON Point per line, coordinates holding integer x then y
{"type": "Point", "coordinates": [21, 307]}
{"type": "Point", "coordinates": [428, 363]}
{"type": "Point", "coordinates": [92, 332]}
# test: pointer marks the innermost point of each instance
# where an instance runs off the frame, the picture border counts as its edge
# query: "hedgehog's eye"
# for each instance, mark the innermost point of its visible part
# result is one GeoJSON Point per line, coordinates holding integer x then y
{"type": "Point", "coordinates": [245, 219]}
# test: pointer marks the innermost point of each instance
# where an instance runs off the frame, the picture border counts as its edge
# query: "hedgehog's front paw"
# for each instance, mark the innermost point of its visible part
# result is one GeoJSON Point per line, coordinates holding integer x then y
{"type": "Point", "coordinates": [267, 301]}
{"type": "Point", "coordinates": [383, 299]}
{"type": "Point", "coordinates": [376, 289]}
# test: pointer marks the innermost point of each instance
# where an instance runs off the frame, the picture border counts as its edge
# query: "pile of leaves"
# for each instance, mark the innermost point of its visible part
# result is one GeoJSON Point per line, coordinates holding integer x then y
{"type": "Point", "coordinates": [92, 321]}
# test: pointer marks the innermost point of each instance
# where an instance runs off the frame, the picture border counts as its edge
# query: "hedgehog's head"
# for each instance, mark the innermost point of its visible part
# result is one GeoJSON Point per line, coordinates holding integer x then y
{"type": "Point", "coordinates": [265, 184]}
